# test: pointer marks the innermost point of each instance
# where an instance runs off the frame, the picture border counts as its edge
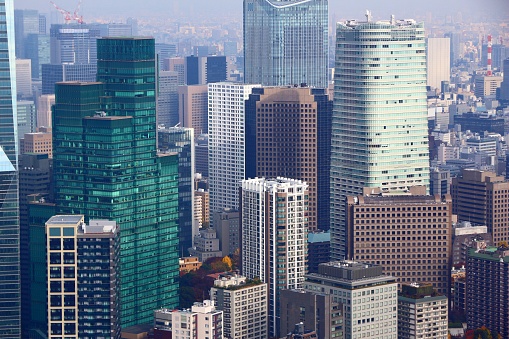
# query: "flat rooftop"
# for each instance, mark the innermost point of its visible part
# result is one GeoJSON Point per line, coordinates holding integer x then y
{"type": "Point", "coordinates": [65, 219]}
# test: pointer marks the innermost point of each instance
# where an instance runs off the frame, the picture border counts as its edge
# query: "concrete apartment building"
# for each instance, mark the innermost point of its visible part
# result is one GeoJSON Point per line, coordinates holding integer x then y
{"type": "Point", "coordinates": [422, 313]}
{"type": "Point", "coordinates": [370, 297]}
{"type": "Point", "coordinates": [409, 235]}
{"type": "Point", "coordinates": [481, 198]}
{"type": "Point", "coordinates": [244, 305]}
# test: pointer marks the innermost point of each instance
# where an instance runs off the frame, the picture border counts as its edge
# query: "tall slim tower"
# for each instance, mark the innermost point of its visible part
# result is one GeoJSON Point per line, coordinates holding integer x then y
{"type": "Point", "coordinates": [286, 42]}
{"type": "Point", "coordinates": [10, 309]}
{"type": "Point", "coordinates": [379, 122]}
{"type": "Point", "coordinates": [274, 236]}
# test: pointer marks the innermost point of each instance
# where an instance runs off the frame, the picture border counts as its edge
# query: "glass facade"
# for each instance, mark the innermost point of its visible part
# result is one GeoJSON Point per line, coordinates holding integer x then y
{"type": "Point", "coordinates": [379, 123]}
{"type": "Point", "coordinates": [106, 167]}
{"type": "Point", "coordinates": [10, 308]}
{"type": "Point", "coordinates": [286, 42]}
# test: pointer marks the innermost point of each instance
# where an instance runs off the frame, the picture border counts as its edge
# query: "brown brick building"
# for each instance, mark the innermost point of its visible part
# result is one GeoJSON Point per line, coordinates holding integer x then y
{"type": "Point", "coordinates": [409, 235]}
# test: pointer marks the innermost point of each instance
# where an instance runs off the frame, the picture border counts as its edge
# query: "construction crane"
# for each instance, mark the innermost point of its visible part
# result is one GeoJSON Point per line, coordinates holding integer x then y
{"type": "Point", "coordinates": [68, 16]}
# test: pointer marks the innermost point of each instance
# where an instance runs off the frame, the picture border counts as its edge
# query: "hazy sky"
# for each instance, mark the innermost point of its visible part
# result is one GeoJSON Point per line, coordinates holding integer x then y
{"type": "Point", "coordinates": [341, 8]}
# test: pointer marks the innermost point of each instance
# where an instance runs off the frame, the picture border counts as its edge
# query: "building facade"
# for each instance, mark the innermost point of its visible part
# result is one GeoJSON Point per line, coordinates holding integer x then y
{"type": "Point", "coordinates": [379, 122]}
{"type": "Point", "coordinates": [167, 99]}
{"type": "Point", "coordinates": [286, 42]}
{"type": "Point", "coordinates": [274, 237]}
{"type": "Point", "coordinates": [372, 296]}
{"type": "Point", "coordinates": [438, 61]}
{"type": "Point", "coordinates": [193, 108]}
{"type": "Point", "coordinates": [287, 136]}
{"type": "Point", "coordinates": [227, 225]}
{"type": "Point", "coordinates": [244, 306]}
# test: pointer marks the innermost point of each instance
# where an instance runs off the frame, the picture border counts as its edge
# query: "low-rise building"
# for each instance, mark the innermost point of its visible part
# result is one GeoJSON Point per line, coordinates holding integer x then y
{"type": "Point", "coordinates": [206, 245]}
{"type": "Point", "coordinates": [189, 264]}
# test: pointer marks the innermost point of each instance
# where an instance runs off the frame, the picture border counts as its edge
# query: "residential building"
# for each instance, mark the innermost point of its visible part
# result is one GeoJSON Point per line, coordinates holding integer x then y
{"type": "Point", "coordinates": [286, 42]}
{"type": "Point", "coordinates": [481, 198]}
{"type": "Point", "coordinates": [274, 237]}
{"type": "Point", "coordinates": [117, 144]}
{"type": "Point", "coordinates": [181, 140]}
{"type": "Point", "coordinates": [193, 108]}
{"type": "Point", "coordinates": [44, 103]}
{"type": "Point", "coordinates": [205, 245]}
{"type": "Point", "coordinates": [24, 78]}
{"type": "Point", "coordinates": [410, 235]}
{"type": "Point", "coordinates": [285, 130]}
{"type": "Point", "coordinates": [226, 143]}
{"type": "Point", "coordinates": [364, 287]}
{"type": "Point", "coordinates": [465, 236]}
{"type": "Point", "coordinates": [240, 300]}
{"type": "Point", "coordinates": [10, 311]}
{"type": "Point", "coordinates": [82, 268]}
{"type": "Point", "coordinates": [369, 147]}
{"type": "Point", "coordinates": [488, 289]}
{"type": "Point", "coordinates": [318, 250]}
{"type": "Point", "coordinates": [438, 61]}
{"type": "Point", "coordinates": [201, 205]}
{"type": "Point", "coordinates": [227, 225]}
{"type": "Point", "coordinates": [315, 311]}
{"type": "Point", "coordinates": [201, 321]}
{"type": "Point", "coordinates": [422, 312]}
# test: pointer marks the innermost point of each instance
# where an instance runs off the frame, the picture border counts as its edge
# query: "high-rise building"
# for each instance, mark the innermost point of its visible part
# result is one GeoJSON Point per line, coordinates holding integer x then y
{"type": "Point", "coordinates": [25, 22]}
{"type": "Point", "coordinates": [287, 136]}
{"type": "Point", "coordinates": [504, 86]}
{"type": "Point", "coordinates": [438, 61]}
{"type": "Point", "coordinates": [201, 70]}
{"type": "Point", "coordinates": [37, 49]}
{"type": "Point", "coordinates": [372, 296]}
{"type": "Point", "coordinates": [104, 141]}
{"type": "Point", "coordinates": [456, 46]}
{"type": "Point", "coordinates": [27, 117]}
{"type": "Point", "coordinates": [24, 78]}
{"type": "Point", "coordinates": [286, 42]}
{"type": "Point", "coordinates": [10, 326]}
{"type": "Point", "coordinates": [82, 272]}
{"type": "Point", "coordinates": [318, 250]}
{"type": "Point", "coordinates": [202, 207]}
{"type": "Point", "coordinates": [181, 141]}
{"type": "Point", "coordinates": [465, 236]}
{"type": "Point", "coordinates": [201, 160]}
{"type": "Point", "coordinates": [422, 312]}
{"type": "Point", "coordinates": [38, 142]}
{"type": "Point", "coordinates": [316, 311]}
{"type": "Point", "coordinates": [176, 65]}
{"type": "Point", "coordinates": [167, 99]}
{"type": "Point", "coordinates": [53, 73]}
{"type": "Point", "coordinates": [371, 147]}
{"type": "Point", "coordinates": [227, 225]}
{"type": "Point", "coordinates": [226, 143]}
{"type": "Point", "coordinates": [44, 103]}
{"type": "Point", "coordinates": [74, 43]}
{"type": "Point", "coordinates": [480, 197]}
{"type": "Point", "coordinates": [193, 108]}
{"type": "Point", "coordinates": [163, 51]}
{"type": "Point", "coordinates": [274, 230]}
{"type": "Point", "coordinates": [487, 85]}
{"type": "Point", "coordinates": [488, 289]}
{"type": "Point", "coordinates": [381, 231]}
{"type": "Point", "coordinates": [241, 299]}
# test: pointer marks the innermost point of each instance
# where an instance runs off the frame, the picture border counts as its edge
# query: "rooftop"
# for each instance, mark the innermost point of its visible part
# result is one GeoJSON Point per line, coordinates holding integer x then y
{"type": "Point", "coordinates": [65, 219]}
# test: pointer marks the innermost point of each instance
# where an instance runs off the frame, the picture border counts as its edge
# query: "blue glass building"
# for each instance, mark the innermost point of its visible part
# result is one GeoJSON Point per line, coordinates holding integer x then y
{"type": "Point", "coordinates": [286, 42]}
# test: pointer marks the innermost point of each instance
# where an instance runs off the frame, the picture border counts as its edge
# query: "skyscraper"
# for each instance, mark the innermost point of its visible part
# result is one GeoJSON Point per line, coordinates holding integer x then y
{"type": "Point", "coordinates": [274, 237]}
{"type": "Point", "coordinates": [286, 42]}
{"type": "Point", "coordinates": [106, 166]}
{"type": "Point", "coordinates": [379, 122]}
{"type": "Point", "coordinates": [167, 99]}
{"type": "Point", "coordinates": [438, 61]}
{"type": "Point", "coordinates": [226, 143]}
{"type": "Point", "coordinates": [10, 326]}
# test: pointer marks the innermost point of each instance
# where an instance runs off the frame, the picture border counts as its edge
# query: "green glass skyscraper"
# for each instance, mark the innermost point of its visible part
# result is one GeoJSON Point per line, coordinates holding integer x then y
{"type": "Point", "coordinates": [10, 303]}
{"type": "Point", "coordinates": [107, 167]}
{"type": "Point", "coordinates": [379, 121]}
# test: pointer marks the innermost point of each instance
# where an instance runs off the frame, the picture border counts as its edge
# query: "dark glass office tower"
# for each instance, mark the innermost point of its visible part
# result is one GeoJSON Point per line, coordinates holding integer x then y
{"type": "Point", "coordinates": [106, 167]}
{"type": "Point", "coordinates": [10, 308]}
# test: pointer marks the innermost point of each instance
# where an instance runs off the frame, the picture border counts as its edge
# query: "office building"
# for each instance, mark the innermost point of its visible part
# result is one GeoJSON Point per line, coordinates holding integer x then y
{"type": "Point", "coordinates": [318, 250]}
{"type": "Point", "coordinates": [439, 182]}
{"type": "Point", "coordinates": [371, 148]}
{"type": "Point", "coordinates": [488, 289]}
{"type": "Point", "coordinates": [486, 85]}
{"type": "Point", "coordinates": [193, 108]}
{"type": "Point", "coordinates": [480, 123]}
{"type": "Point", "coordinates": [74, 43]}
{"type": "Point", "coordinates": [286, 42]}
{"type": "Point", "coordinates": [24, 78]}
{"type": "Point", "coordinates": [167, 99]}
{"type": "Point", "coordinates": [422, 312]}
{"type": "Point", "coordinates": [27, 117]}
{"type": "Point", "coordinates": [410, 235]}
{"type": "Point", "coordinates": [438, 61]}
{"type": "Point", "coordinates": [38, 142]}
{"type": "Point", "coordinates": [226, 143]}
{"type": "Point", "coordinates": [240, 300]}
{"type": "Point", "coordinates": [163, 51]}
{"type": "Point", "coordinates": [128, 125]}
{"type": "Point", "coordinates": [315, 311]}
{"type": "Point", "coordinates": [372, 296]}
{"type": "Point", "coordinates": [456, 46]}
{"type": "Point", "coordinates": [465, 236]}
{"type": "Point", "coordinates": [274, 237]}
{"type": "Point", "coordinates": [481, 197]}
{"type": "Point", "coordinates": [53, 73]}
{"type": "Point", "coordinates": [44, 103]}
{"type": "Point", "coordinates": [176, 65]}
{"type": "Point", "coordinates": [10, 326]}
{"type": "Point", "coordinates": [203, 320]}
{"type": "Point", "coordinates": [201, 70]}
{"type": "Point", "coordinates": [121, 29]}
{"type": "Point", "coordinates": [181, 140]}
{"type": "Point", "coordinates": [504, 85]}
{"type": "Point", "coordinates": [205, 245]}
{"type": "Point", "coordinates": [286, 129]}
{"type": "Point", "coordinates": [227, 225]}
{"type": "Point", "coordinates": [25, 22]}
{"type": "Point", "coordinates": [37, 49]}
{"type": "Point", "coordinates": [201, 160]}
{"type": "Point", "coordinates": [82, 286]}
